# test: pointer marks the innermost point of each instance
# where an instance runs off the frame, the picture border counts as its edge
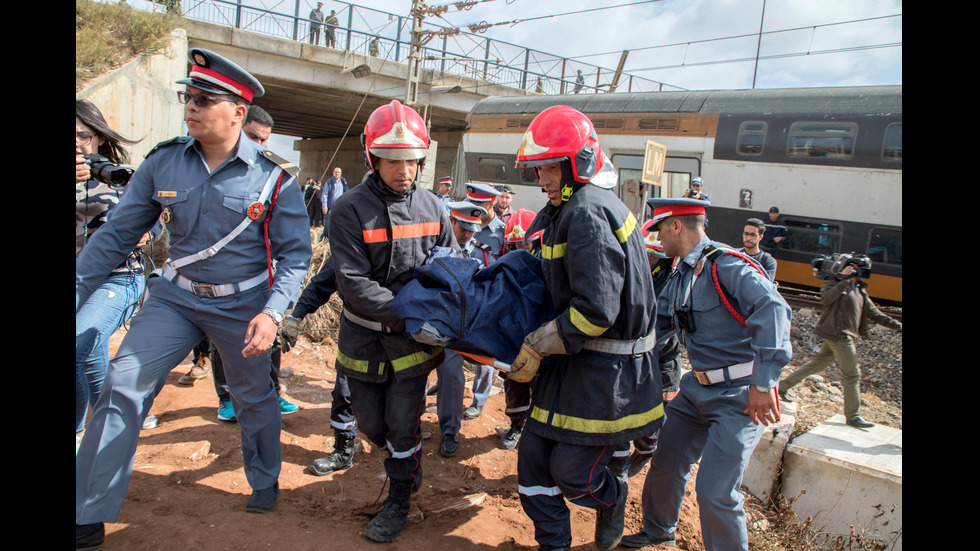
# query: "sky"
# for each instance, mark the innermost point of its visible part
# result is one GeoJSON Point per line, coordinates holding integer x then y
{"type": "Point", "coordinates": [677, 41]}
{"type": "Point", "coordinates": [686, 43]}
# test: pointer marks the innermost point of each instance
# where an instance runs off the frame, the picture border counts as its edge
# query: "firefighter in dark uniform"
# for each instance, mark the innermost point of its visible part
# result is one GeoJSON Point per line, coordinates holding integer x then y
{"type": "Point", "coordinates": [232, 209]}
{"type": "Point", "coordinates": [381, 230]}
{"type": "Point", "coordinates": [598, 386]}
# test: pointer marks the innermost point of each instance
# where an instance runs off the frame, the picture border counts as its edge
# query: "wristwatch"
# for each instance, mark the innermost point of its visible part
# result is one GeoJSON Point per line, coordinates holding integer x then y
{"type": "Point", "coordinates": [761, 388]}
{"type": "Point", "coordinates": [274, 314]}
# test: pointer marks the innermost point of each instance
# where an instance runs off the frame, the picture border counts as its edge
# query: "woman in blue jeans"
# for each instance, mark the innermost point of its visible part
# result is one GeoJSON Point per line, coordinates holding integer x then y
{"type": "Point", "coordinates": [118, 297]}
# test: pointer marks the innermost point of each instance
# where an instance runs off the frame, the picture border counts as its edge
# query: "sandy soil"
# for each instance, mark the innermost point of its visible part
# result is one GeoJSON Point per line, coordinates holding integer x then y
{"type": "Point", "coordinates": [188, 489]}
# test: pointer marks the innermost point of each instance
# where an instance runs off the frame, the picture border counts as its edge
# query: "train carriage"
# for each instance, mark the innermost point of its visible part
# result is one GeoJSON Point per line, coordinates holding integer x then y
{"type": "Point", "coordinates": [829, 158]}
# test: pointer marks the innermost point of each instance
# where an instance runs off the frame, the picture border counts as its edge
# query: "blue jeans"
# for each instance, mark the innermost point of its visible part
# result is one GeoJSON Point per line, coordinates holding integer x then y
{"type": "Point", "coordinates": [102, 314]}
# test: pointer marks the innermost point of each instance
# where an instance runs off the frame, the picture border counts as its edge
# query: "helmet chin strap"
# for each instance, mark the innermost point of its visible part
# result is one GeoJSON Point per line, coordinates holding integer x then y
{"type": "Point", "coordinates": [569, 184]}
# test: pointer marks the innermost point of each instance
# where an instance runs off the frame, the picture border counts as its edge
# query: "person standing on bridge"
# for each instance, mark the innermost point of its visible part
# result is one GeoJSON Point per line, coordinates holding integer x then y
{"type": "Point", "coordinates": [216, 191]}
{"type": "Point", "coordinates": [736, 328]}
{"type": "Point", "coordinates": [331, 27]}
{"type": "Point", "coordinates": [847, 313]}
{"type": "Point", "coordinates": [316, 23]}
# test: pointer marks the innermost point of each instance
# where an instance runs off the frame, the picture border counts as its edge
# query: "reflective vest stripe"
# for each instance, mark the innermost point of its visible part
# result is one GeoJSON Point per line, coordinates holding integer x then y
{"type": "Point", "coordinates": [379, 235]}
{"type": "Point", "coordinates": [416, 230]}
{"type": "Point", "coordinates": [598, 426]}
{"type": "Point", "coordinates": [538, 490]}
{"type": "Point", "coordinates": [406, 231]}
{"type": "Point", "coordinates": [584, 325]}
{"type": "Point", "coordinates": [551, 252]}
{"type": "Point", "coordinates": [626, 229]}
{"type": "Point", "coordinates": [404, 454]}
{"type": "Point", "coordinates": [398, 364]}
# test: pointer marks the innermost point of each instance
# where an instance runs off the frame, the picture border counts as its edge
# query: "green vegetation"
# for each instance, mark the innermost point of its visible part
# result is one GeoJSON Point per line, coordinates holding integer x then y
{"type": "Point", "coordinates": [108, 35]}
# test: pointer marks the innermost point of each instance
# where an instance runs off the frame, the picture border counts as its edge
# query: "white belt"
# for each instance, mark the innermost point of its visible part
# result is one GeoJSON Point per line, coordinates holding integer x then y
{"type": "Point", "coordinates": [211, 290]}
{"type": "Point", "coordinates": [713, 376]}
{"type": "Point", "coordinates": [366, 323]}
{"type": "Point", "coordinates": [622, 348]}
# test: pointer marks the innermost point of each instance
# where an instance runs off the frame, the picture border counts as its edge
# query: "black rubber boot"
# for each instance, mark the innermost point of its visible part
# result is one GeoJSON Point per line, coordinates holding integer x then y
{"type": "Point", "coordinates": [394, 517]}
{"type": "Point", "coordinates": [609, 522]}
{"type": "Point", "coordinates": [344, 448]}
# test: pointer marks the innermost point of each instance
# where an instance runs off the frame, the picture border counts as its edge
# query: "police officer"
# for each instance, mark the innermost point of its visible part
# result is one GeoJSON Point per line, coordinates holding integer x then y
{"type": "Point", "coordinates": [219, 194]}
{"type": "Point", "coordinates": [445, 185]}
{"type": "Point", "coordinates": [736, 328]}
{"type": "Point", "coordinates": [667, 348]}
{"type": "Point", "coordinates": [465, 218]}
{"type": "Point", "coordinates": [487, 244]}
{"type": "Point", "coordinates": [380, 232]}
{"type": "Point", "coordinates": [598, 386]}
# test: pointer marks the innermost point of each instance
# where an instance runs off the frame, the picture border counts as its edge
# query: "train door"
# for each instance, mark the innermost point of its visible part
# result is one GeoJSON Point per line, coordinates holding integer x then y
{"type": "Point", "coordinates": [678, 172]}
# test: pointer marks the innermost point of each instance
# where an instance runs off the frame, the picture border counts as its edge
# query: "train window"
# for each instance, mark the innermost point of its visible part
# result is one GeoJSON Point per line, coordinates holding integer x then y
{"type": "Point", "coordinates": [751, 138]}
{"type": "Point", "coordinates": [885, 245]}
{"type": "Point", "coordinates": [825, 140]}
{"type": "Point", "coordinates": [892, 150]}
{"type": "Point", "coordinates": [812, 237]}
{"type": "Point", "coordinates": [491, 169]}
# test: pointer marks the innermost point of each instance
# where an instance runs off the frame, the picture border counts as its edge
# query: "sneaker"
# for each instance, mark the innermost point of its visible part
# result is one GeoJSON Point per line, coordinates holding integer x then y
{"type": "Point", "coordinates": [287, 408]}
{"type": "Point", "coordinates": [472, 412]}
{"type": "Point", "coordinates": [226, 412]}
{"type": "Point", "coordinates": [510, 440]}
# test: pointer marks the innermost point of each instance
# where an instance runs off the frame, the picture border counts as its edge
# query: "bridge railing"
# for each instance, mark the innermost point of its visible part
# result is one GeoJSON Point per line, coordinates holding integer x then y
{"type": "Point", "coordinates": [448, 51]}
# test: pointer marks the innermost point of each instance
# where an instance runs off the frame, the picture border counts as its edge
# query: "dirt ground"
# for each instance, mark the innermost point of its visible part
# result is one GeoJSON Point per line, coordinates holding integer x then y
{"type": "Point", "coordinates": [188, 489]}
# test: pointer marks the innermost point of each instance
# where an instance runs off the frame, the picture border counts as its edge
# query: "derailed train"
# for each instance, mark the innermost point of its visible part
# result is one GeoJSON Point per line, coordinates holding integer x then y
{"type": "Point", "coordinates": [829, 158]}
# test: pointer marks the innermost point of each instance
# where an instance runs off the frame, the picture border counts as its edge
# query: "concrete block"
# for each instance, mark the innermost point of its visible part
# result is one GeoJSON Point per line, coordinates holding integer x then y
{"type": "Point", "coordinates": [763, 469]}
{"type": "Point", "coordinates": [848, 480]}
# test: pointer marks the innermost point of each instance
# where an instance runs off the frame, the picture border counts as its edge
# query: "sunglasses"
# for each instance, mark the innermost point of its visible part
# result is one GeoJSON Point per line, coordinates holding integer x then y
{"type": "Point", "coordinates": [200, 100]}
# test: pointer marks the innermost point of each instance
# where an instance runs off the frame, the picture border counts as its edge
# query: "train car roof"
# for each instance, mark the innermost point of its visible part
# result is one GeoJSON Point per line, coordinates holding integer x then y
{"type": "Point", "coordinates": [863, 99]}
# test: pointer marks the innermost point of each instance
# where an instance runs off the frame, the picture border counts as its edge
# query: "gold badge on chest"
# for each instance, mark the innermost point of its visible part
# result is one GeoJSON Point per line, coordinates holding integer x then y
{"type": "Point", "coordinates": [166, 215]}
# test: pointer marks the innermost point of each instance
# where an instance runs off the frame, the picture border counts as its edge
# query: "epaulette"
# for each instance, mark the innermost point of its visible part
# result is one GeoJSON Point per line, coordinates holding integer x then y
{"type": "Point", "coordinates": [287, 166]}
{"type": "Point", "coordinates": [481, 245]}
{"type": "Point", "coordinates": [177, 139]}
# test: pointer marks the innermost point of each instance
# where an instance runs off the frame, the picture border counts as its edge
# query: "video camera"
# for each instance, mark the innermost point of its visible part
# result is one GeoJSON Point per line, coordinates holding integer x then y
{"type": "Point", "coordinates": [830, 267]}
{"type": "Point", "coordinates": [114, 176]}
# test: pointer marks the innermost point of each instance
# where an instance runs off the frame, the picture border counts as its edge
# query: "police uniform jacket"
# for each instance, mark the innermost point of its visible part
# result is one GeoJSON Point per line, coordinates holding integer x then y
{"type": "Point", "coordinates": [595, 267]}
{"type": "Point", "coordinates": [720, 339]}
{"type": "Point", "coordinates": [378, 238]}
{"type": "Point", "coordinates": [203, 208]}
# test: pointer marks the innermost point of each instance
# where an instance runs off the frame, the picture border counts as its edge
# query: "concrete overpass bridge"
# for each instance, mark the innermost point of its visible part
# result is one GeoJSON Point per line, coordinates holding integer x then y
{"type": "Point", "coordinates": [323, 95]}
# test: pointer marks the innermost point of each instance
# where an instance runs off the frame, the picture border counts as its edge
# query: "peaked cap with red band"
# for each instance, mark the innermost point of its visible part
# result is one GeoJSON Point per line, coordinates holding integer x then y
{"type": "Point", "coordinates": [480, 193]}
{"type": "Point", "coordinates": [664, 208]}
{"type": "Point", "coordinates": [467, 214]}
{"type": "Point", "coordinates": [213, 73]}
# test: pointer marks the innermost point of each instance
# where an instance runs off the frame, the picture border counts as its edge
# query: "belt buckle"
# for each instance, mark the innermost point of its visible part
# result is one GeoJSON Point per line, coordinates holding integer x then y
{"type": "Point", "coordinates": [702, 378]}
{"type": "Point", "coordinates": [204, 290]}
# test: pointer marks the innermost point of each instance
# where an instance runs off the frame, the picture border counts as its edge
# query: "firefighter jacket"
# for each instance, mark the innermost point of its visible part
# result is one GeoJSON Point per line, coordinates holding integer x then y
{"type": "Point", "coordinates": [596, 270]}
{"type": "Point", "coordinates": [377, 239]}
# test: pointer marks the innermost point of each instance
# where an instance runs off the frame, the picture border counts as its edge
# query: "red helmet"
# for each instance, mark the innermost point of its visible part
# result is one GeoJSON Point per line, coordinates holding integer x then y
{"type": "Point", "coordinates": [561, 133]}
{"type": "Point", "coordinates": [395, 131]}
{"type": "Point", "coordinates": [517, 225]}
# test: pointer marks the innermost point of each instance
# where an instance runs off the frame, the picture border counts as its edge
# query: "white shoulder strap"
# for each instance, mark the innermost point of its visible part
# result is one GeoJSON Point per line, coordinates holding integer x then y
{"type": "Point", "coordinates": [213, 249]}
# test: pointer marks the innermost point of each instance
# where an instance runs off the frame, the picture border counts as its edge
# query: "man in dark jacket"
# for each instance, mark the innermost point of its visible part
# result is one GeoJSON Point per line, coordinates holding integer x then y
{"type": "Point", "coordinates": [598, 386]}
{"type": "Point", "coordinates": [380, 232]}
{"type": "Point", "coordinates": [847, 313]}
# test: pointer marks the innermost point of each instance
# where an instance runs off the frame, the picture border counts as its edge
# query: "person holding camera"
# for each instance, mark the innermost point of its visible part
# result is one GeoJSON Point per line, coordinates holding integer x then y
{"type": "Point", "coordinates": [694, 192]}
{"type": "Point", "coordinates": [232, 208]}
{"type": "Point", "coordinates": [116, 299]}
{"type": "Point", "coordinates": [846, 315]}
